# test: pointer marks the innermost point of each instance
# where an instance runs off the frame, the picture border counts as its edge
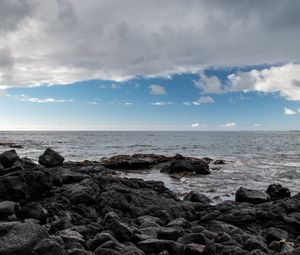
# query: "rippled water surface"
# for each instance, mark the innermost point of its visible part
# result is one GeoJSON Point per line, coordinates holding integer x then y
{"type": "Point", "coordinates": [256, 159]}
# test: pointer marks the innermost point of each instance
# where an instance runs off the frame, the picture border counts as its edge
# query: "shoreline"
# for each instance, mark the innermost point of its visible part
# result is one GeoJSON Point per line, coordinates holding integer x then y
{"type": "Point", "coordinates": [86, 208]}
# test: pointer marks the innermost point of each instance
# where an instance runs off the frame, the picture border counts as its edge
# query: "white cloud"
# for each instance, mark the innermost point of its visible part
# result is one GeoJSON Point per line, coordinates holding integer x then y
{"type": "Point", "coordinates": [194, 125]}
{"type": "Point", "coordinates": [208, 84]}
{"type": "Point", "coordinates": [157, 90]}
{"type": "Point", "coordinates": [60, 42]}
{"type": "Point", "coordinates": [162, 103]}
{"type": "Point", "coordinates": [45, 100]}
{"type": "Point", "coordinates": [201, 100]}
{"type": "Point", "coordinates": [114, 86]}
{"type": "Point", "coordinates": [229, 125]}
{"type": "Point", "coordinates": [288, 111]}
{"type": "Point", "coordinates": [128, 103]}
{"type": "Point", "coordinates": [284, 80]}
{"type": "Point", "coordinates": [93, 102]}
{"type": "Point", "coordinates": [257, 125]}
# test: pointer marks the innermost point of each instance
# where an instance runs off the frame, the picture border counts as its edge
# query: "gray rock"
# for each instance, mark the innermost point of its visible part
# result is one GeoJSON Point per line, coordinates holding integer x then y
{"type": "Point", "coordinates": [121, 231]}
{"type": "Point", "coordinates": [99, 239]}
{"type": "Point", "coordinates": [169, 234]}
{"type": "Point", "coordinates": [8, 158]}
{"type": "Point", "coordinates": [194, 249]}
{"type": "Point", "coordinates": [253, 244]}
{"type": "Point", "coordinates": [157, 246]}
{"type": "Point", "coordinates": [33, 211]}
{"type": "Point", "coordinates": [180, 222]}
{"type": "Point", "coordinates": [20, 238]}
{"type": "Point", "coordinates": [72, 239]}
{"type": "Point", "coordinates": [197, 197]}
{"type": "Point", "coordinates": [251, 196]}
{"type": "Point", "coordinates": [277, 191]}
{"type": "Point", "coordinates": [8, 208]}
{"type": "Point", "coordinates": [197, 238]}
{"type": "Point", "coordinates": [275, 234]}
{"type": "Point", "coordinates": [48, 247]}
{"type": "Point", "coordinates": [51, 158]}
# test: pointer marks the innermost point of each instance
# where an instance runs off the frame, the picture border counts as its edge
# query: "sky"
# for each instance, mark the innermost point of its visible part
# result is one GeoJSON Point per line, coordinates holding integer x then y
{"type": "Point", "coordinates": [149, 65]}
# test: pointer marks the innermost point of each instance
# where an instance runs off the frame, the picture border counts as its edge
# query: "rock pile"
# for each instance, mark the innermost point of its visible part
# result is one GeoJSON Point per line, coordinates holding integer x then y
{"type": "Point", "coordinates": [80, 208]}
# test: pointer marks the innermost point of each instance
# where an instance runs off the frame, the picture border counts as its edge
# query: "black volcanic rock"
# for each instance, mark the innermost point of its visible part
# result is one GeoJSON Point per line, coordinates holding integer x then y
{"type": "Point", "coordinates": [8, 158]}
{"type": "Point", "coordinates": [20, 238]}
{"type": "Point", "coordinates": [251, 196]}
{"type": "Point", "coordinates": [197, 198]}
{"type": "Point", "coordinates": [277, 191]}
{"type": "Point", "coordinates": [51, 158]}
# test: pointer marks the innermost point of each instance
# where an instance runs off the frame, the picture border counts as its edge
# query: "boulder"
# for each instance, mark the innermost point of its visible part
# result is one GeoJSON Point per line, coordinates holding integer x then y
{"type": "Point", "coordinates": [8, 158]}
{"type": "Point", "coordinates": [254, 244]}
{"type": "Point", "coordinates": [196, 197]}
{"type": "Point", "coordinates": [121, 230]}
{"type": "Point", "coordinates": [156, 246]}
{"type": "Point", "coordinates": [8, 208]}
{"type": "Point", "coordinates": [72, 239]}
{"type": "Point", "coordinates": [169, 234]}
{"type": "Point", "coordinates": [99, 239]}
{"type": "Point", "coordinates": [251, 196]}
{"type": "Point", "coordinates": [275, 234]}
{"type": "Point", "coordinates": [277, 191]}
{"type": "Point", "coordinates": [33, 211]}
{"type": "Point", "coordinates": [20, 238]}
{"type": "Point", "coordinates": [48, 246]}
{"type": "Point", "coordinates": [51, 158]}
{"type": "Point", "coordinates": [197, 238]}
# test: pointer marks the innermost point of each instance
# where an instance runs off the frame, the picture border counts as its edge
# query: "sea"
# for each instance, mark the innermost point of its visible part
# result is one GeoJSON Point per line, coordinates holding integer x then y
{"type": "Point", "coordinates": [254, 159]}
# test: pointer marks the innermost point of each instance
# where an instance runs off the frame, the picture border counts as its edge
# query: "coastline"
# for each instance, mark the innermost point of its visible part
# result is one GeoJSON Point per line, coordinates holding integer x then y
{"type": "Point", "coordinates": [58, 207]}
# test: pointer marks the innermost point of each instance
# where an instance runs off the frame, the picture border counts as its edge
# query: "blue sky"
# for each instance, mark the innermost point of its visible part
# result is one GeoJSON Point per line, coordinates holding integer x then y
{"type": "Point", "coordinates": [132, 105]}
{"type": "Point", "coordinates": [149, 65]}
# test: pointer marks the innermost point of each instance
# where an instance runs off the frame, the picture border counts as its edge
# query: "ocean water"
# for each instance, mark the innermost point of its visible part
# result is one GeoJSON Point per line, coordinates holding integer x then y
{"type": "Point", "coordinates": [255, 159]}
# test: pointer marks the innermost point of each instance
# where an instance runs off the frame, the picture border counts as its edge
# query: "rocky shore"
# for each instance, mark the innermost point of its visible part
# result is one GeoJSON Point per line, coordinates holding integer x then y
{"type": "Point", "coordinates": [81, 208]}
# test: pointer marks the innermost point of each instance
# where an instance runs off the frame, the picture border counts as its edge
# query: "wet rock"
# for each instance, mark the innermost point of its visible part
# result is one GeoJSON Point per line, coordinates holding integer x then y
{"type": "Point", "coordinates": [20, 238]}
{"type": "Point", "coordinates": [8, 158]}
{"type": "Point", "coordinates": [8, 208]}
{"type": "Point", "coordinates": [184, 165]}
{"type": "Point", "coordinates": [51, 158]}
{"type": "Point", "coordinates": [48, 247]}
{"type": "Point", "coordinates": [156, 246]}
{"type": "Point", "coordinates": [251, 196]}
{"type": "Point", "coordinates": [277, 191]}
{"type": "Point", "coordinates": [275, 234]}
{"type": "Point", "coordinates": [219, 162]}
{"type": "Point", "coordinates": [197, 198]}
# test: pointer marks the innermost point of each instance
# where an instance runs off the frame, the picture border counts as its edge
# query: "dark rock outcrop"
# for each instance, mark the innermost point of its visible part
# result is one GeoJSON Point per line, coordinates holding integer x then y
{"type": "Point", "coordinates": [251, 196]}
{"type": "Point", "coordinates": [277, 191]}
{"type": "Point", "coordinates": [51, 158]}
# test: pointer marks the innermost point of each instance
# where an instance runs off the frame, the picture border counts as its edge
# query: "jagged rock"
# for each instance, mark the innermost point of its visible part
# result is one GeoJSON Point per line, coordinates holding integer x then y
{"type": "Point", "coordinates": [51, 158]}
{"type": "Point", "coordinates": [8, 208]}
{"type": "Point", "coordinates": [253, 244]}
{"type": "Point", "coordinates": [193, 196]}
{"type": "Point", "coordinates": [48, 247]}
{"type": "Point", "coordinates": [219, 162]}
{"type": "Point", "coordinates": [20, 238]}
{"type": "Point", "coordinates": [104, 251]}
{"type": "Point", "coordinates": [8, 158]}
{"type": "Point", "coordinates": [194, 249]}
{"type": "Point", "coordinates": [121, 230]}
{"type": "Point", "coordinates": [251, 196]}
{"type": "Point", "coordinates": [277, 191]}
{"type": "Point", "coordinates": [72, 239]}
{"type": "Point", "coordinates": [77, 251]}
{"type": "Point", "coordinates": [157, 246]}
{"type": "Point", "coordinates": [180, 222]}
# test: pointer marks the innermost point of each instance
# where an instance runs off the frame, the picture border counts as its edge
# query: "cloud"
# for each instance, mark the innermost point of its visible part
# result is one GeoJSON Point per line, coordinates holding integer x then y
{"type": "Point", "coordinates": [229, 125]}
{"type": "Point", "coordinates": [288, 111]}
{"type": "Point", "coordinates": [157, 90]}
{"type": "Point", "coordinates": [284, 80]}
{"type": "Point", "coordinates": [194, 125]}
{"type": "Point", "coordinates": [162, 103]}
{"type": "Point", "coordinates": [208, 84]}
{"type": "Point", "coordinates": [201, 100]}
{"type": "Point", "coordinates": [61, 42]}
{"type": "Point", "coordinates": [44, 100]}
{"type": "Point", "coordinates": [257, 125]}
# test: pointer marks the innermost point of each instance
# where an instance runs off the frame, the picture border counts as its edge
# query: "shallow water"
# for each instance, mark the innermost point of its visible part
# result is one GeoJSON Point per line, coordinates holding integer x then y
{"type": "Point", "coordinates": [256, 159]}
